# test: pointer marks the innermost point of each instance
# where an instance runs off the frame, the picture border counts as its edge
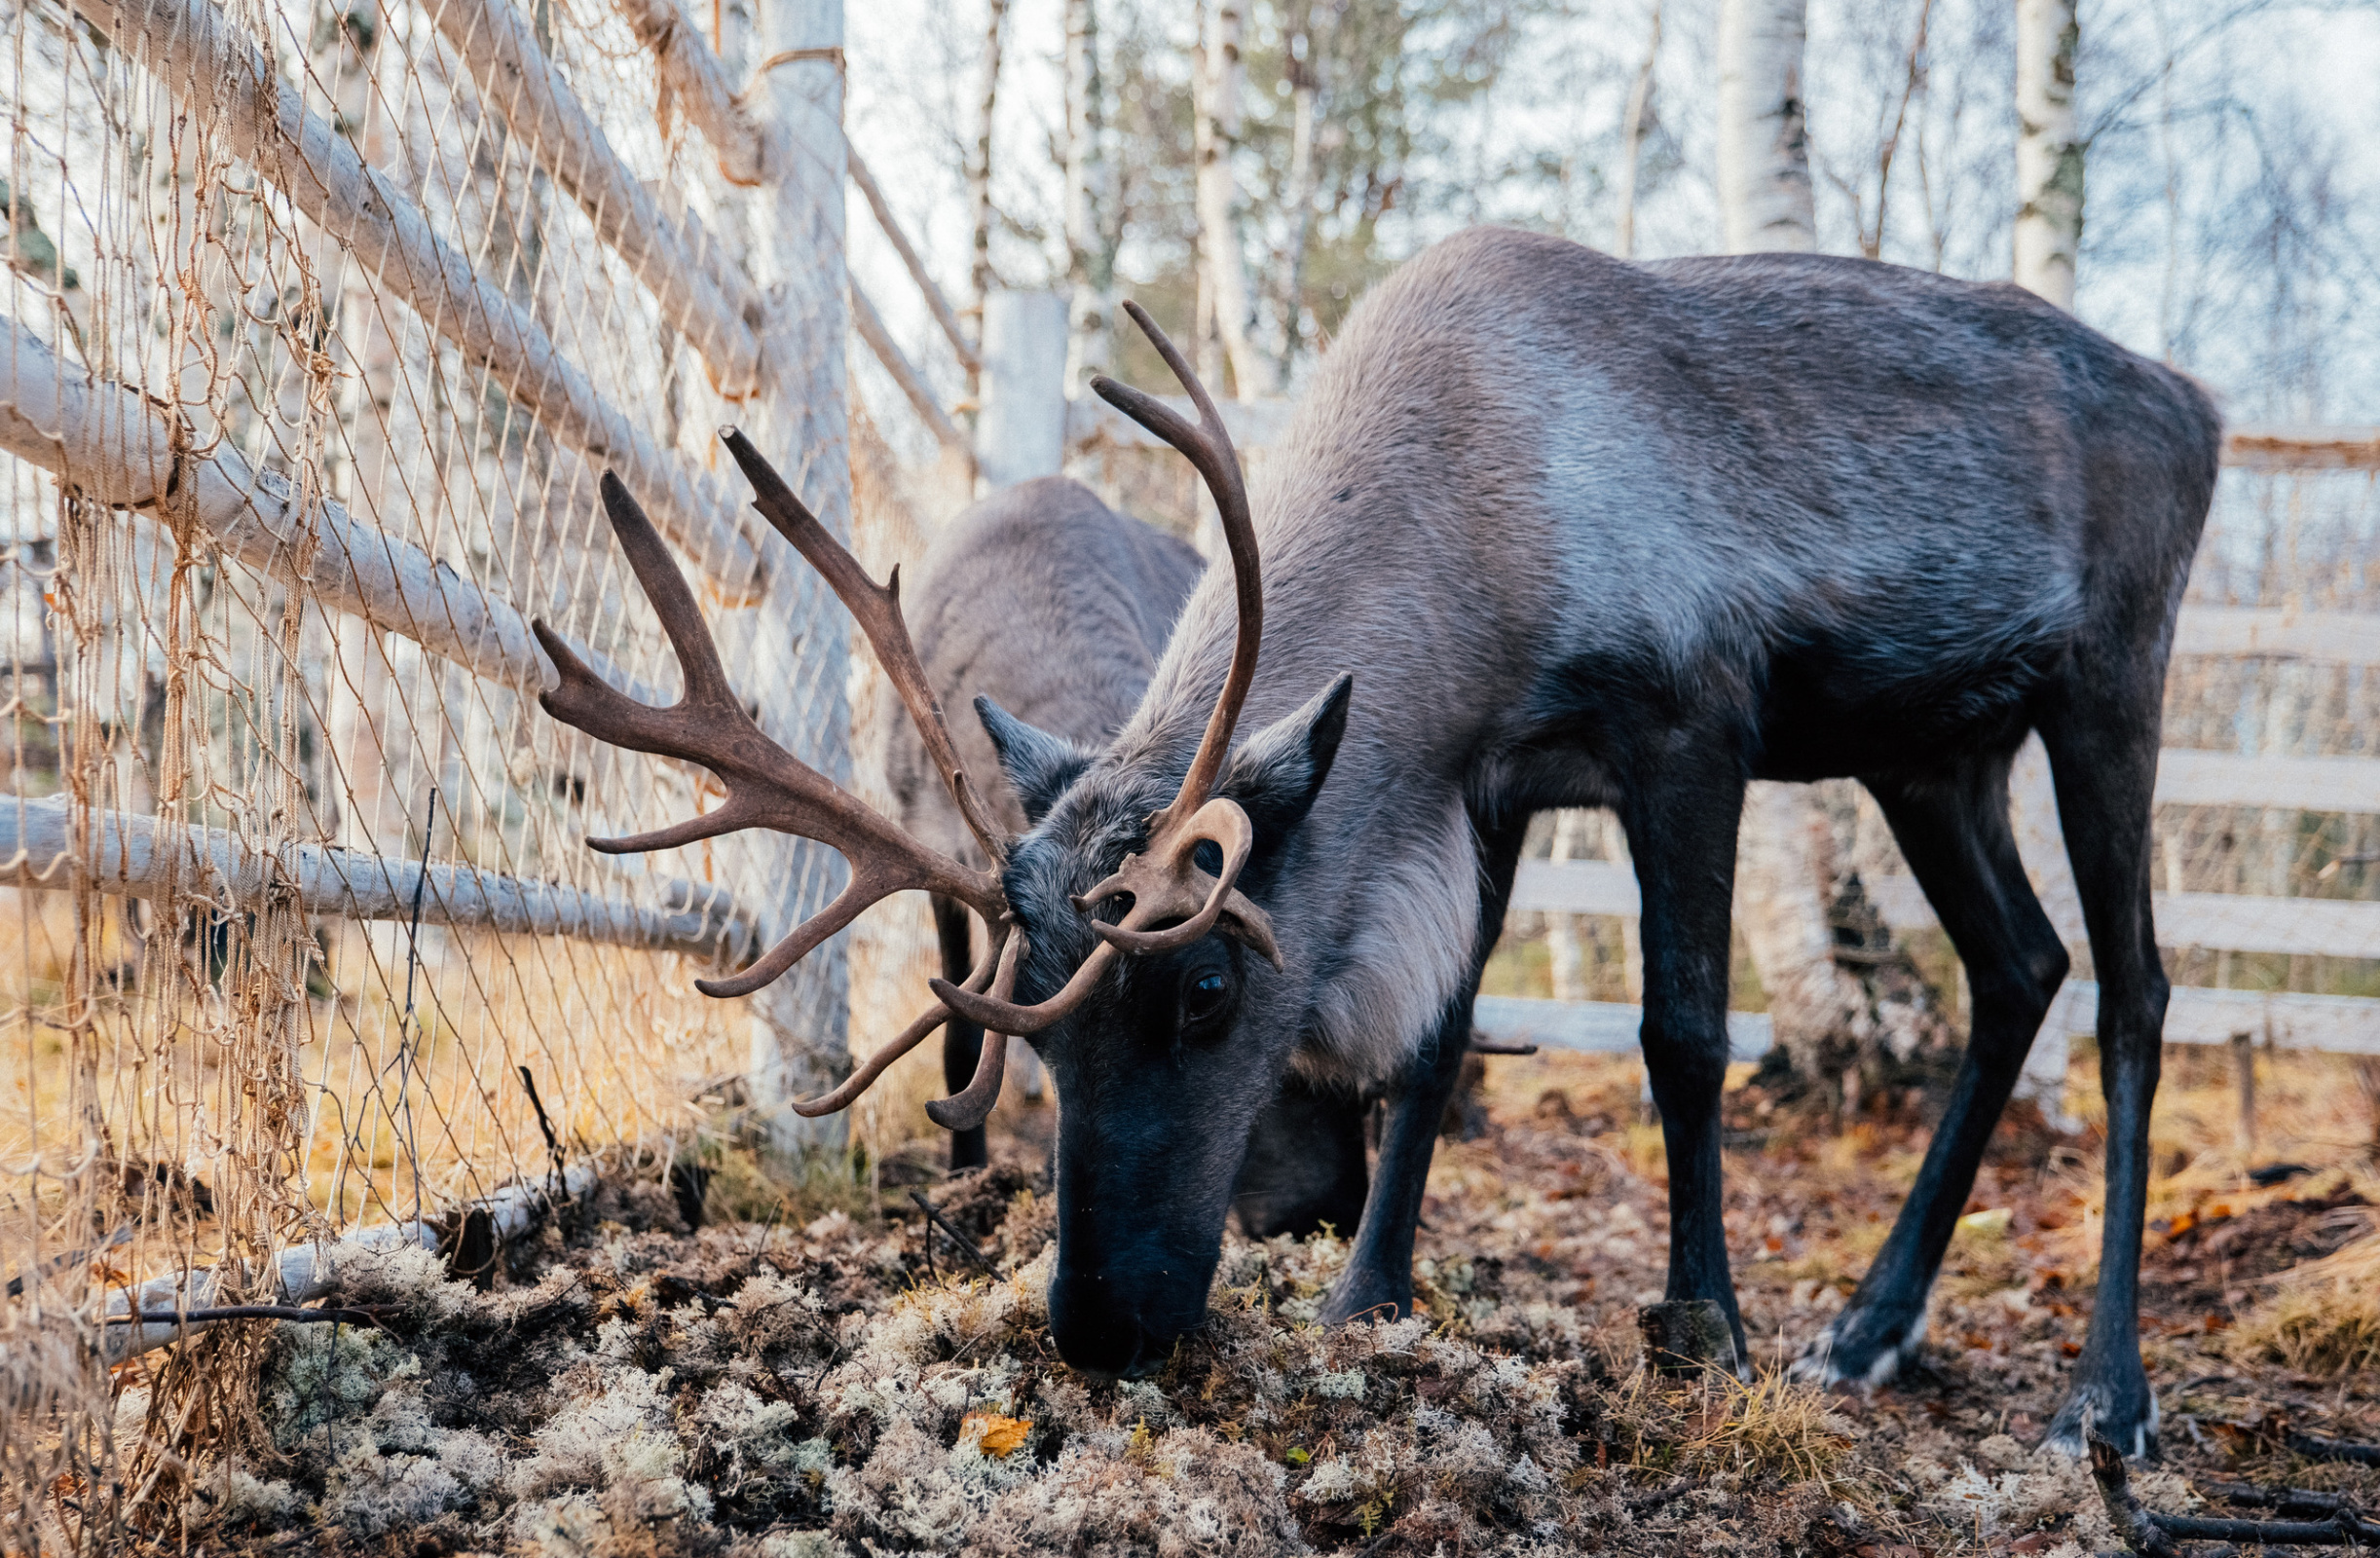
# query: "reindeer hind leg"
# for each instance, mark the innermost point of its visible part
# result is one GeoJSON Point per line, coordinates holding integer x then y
{"type": "Point", "coordinates": [2103, 737]}
{"type": "Point", "coordinates": [1956, 835]}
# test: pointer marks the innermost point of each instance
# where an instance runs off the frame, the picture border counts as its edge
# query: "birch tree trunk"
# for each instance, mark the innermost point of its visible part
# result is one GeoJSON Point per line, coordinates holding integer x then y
{"type": "Point", "coordinates": [1784, 872]}
{"type": "Point", "coordinates": [1764, 149]}
{"type": "Point", "coordinates": [2049, 159]}
{"type": "Point", "coordinates": [1308, 103]}
{"type": "Point", "coordinates": [1564, 950]}
{"type": "Point", "coordinates": [1632, 130]}
{"type": "Point", "coordinates": [979, 186]}
{"type": "Point", "coordinates": [1216, 130]}
{"type": "Point", "coordinates": [1091, 260]}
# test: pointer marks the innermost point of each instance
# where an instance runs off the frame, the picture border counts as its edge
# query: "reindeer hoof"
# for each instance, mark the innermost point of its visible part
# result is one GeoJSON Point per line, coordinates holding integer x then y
{"type": "Point", "coordinates": [1863, 1347]}
{"type": "Point", "coordinates": [1366, 1295]}
{"type": "Point", "coordinates": [2123, 1413]}
{"type": "Point", "coordinates": [1688, 1336]}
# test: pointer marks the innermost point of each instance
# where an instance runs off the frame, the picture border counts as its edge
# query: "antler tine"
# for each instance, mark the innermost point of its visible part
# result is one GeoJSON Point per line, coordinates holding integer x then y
{"type": "Point", "coordinates": [875, 1065]}
{"type": "Point", "coordinates": [767, 787]}
{"type": "Point", "coordinates": [878, 610]}
{"type": "Point", "coordinates": [971, 1107]}
{"type": "Point", "coordinates": [1209, 447]}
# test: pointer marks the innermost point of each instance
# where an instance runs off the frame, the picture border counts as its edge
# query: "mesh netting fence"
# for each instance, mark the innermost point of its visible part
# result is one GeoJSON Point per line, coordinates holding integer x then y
{"type": "Point", "coordinates": [323, 318]}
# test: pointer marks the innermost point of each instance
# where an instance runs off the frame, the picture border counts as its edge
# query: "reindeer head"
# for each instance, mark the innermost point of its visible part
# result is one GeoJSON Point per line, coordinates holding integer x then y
{"type": "Point", "coordinates": [1121, 943]}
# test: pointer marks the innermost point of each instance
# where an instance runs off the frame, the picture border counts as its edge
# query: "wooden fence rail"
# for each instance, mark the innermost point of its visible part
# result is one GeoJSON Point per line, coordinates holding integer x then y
{"type": "Point", "coordinates": [197, 53]}
{"type": "Point", "coordinates": [520, 80]}
{"type": "Point", "coordinates": [116, 445]}
{"type": "Point", "coordinates": [139, 857]}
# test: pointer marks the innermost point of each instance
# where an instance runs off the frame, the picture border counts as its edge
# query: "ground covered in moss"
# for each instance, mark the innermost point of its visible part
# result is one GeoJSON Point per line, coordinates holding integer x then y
{"type": "Point", "coordinates": [818, 1383]}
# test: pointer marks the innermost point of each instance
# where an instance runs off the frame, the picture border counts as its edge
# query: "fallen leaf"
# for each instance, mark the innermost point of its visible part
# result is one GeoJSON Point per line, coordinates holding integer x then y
{"type": "Point", "coordinates": [1000, 1435]}
{"type": "Point", "coordinates": [2070, 1349]}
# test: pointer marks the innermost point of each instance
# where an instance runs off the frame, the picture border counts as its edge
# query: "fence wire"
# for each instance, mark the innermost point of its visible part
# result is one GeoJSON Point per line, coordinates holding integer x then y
{"type": "Point", "coordinates": [208, 1061]}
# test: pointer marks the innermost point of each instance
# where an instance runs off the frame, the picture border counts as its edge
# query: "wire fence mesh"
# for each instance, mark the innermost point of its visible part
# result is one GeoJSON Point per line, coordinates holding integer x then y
{"type": "Point", "coordinates": [323, 316]}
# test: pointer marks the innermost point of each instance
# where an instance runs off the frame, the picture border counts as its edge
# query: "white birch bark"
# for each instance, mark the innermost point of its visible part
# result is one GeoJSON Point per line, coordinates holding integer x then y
{"type": "Point", "coordinates": [1632, 129]}
{"type": "Point", "coordinates": [1223, 267]}
{"type": "Point", "coordinates": [1309, 102]}
{"type": "Point", "coordinates": [1563, 949]}
{"type": "Point", "coordinates": [1090, 194]}
{"type": "Point", "coordinates": [2049, 158]}
{"type": "Point", "coordinates": [1783, 880]}
{"type": "Point", "coordinates": [978, 188]}
{"type": "Point", "coordinates": [1763, 150]}
{"type": "Point", "coordinates": [1783, 875]}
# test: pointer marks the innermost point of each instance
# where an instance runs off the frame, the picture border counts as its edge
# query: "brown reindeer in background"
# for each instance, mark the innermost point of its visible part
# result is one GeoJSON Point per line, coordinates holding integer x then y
{"type": "Point", "coordinates": [1049, 610]}
{"type": "Point", "coordinates": [1593, 534]}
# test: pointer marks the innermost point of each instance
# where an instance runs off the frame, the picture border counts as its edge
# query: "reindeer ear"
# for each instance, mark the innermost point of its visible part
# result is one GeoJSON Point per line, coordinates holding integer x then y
{"type": "Point", "coordinates": [1275, 776]}
{"type": "Point", "coordinates": [1039, 764]}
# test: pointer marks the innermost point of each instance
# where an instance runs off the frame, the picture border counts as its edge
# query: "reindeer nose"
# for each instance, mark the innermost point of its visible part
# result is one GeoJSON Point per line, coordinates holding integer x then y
{"type": "Point", "coordinates": [1100, 1322]}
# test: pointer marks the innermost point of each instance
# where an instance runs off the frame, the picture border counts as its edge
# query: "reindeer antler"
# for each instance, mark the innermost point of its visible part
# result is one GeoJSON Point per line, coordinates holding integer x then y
{"type": "Point", "coordinates": [1173, 902]}
{"type": "Point", "coordinates": [768, 787]}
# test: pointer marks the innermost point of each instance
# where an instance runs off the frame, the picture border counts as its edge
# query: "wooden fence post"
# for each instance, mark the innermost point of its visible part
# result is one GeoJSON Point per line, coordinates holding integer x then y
{"type": "Point", "coordinates": [1021, 430]}
{"type": "Point", "coordinates": [799, 645]}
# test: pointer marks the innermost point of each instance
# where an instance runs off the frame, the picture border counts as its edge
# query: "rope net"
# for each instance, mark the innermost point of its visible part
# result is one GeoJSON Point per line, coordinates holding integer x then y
{"type": "Point", "coordinates": [321, 327]}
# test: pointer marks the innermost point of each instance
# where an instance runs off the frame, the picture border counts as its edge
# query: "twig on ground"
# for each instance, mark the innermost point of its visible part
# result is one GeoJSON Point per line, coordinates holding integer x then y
{"type": "Point", "coordinates": [953, 1230]}
{"type": "Point", "coordinates": [362, 1314]}
{"type": "Point", "coordinates": [553, 1144]}
{"type": "Point", "coordinates": [2315, 1447]}
{"type": "Point", "coordinates": [73, 1257]}
{"type": "Point", "coordinates": [2133, 1523]}
{"type": "Point", "coordinates": [2154, 1535]}
{"type": "Point", "coordinates": [2275, 1430]}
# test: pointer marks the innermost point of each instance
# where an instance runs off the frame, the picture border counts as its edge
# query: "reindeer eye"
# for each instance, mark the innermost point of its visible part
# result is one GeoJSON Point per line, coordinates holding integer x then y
{"type": "Point", "coordinates": [1203, 995]}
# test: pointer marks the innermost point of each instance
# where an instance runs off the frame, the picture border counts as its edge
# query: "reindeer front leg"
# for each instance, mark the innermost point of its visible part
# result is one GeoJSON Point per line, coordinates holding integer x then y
{"type": "Point", "coordinates": [1379, 1277]}
{"type": "Point", "coordinates": [1681, 819]}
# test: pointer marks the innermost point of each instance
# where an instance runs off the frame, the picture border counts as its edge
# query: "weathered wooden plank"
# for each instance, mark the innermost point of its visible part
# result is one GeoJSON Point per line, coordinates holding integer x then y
{"type": "Point", "coordinates": [2236, 923]}
{"type": "Point", "coordinates": [696, 82]}
{"type": "Point", "coordinates": [2303, 448]}
{"type": "Point", "coordinates": [2336, 1024]}
{"type": "Point", "coordinates": [303, 1273]}
{"type": "Point", "coordinates": [214, 68]}
{"type": "Point", "coordinates": [2190, 778]}
{"type": "Point", "coordinates": [1597, 1027]}
{"type": "Point", "coordinates": [115, 445]}
{"type": "Point", "coordinates": [2275, 632]}
{"type": "Point", "coordinates": [140, 857]}
{"type": "Point", "coordinates": [1575, 887]}
{"type": "Point", "coordinates": [523, 84]}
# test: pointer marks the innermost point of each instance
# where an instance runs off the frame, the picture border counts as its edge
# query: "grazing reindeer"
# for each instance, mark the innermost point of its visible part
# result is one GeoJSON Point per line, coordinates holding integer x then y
{"type": "Point", "coordinates": [1051, 610]}
{"type": "Point", "coordinates": [1594, 534]}
{"type": "Point", "coordinates": [1044, 600]}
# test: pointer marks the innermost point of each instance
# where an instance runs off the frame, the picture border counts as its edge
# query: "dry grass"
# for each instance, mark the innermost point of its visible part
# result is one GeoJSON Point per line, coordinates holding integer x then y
{"type": "Point", "coordinates": [2323, 1319]}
